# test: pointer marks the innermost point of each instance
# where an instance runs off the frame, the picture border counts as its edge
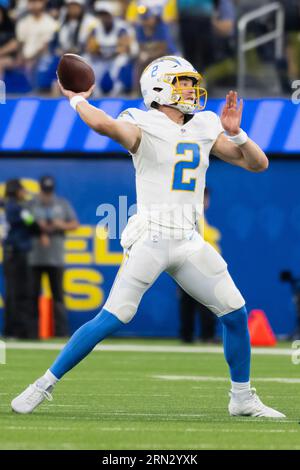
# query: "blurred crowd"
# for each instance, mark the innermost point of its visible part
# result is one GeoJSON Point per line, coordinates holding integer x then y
{"type": "Point", "coordinates": [120, 37]}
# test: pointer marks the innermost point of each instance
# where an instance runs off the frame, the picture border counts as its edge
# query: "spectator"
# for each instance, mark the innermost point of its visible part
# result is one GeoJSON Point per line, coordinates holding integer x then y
{"type": "Point", "coordinates": [223, 22]}
{"type": "Point", "coordinates": [153, 37]}
{"type": "Point", "coordinates": [8, 42]}
{"type": "Point", "coordinates": [34, 32]}
{"type": "Point", "coordinates": [18, 8]}
{"type": "Point", "coordinates": [54, 216]}
{"type": "Point", "coordinates": [54, 8]}
{"type": "Point", "coordinates": [223, 48]}
{"type": "Point", "coordinates": [110, 48]}
{"type": "Point", "coordinates": [76, 25]}
{"type": "Point", "coordinates": [188, 306]}
{"type": "Point", "coordinates": [16, 247]}
{"type": "Point", "coordinates": [168, 7]}
{"type": "Point", "coordinates": [195, 24]}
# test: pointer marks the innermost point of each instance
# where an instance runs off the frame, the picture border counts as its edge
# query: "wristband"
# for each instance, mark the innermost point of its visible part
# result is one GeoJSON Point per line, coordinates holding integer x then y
{"type": "Point", "coordinates": [75, 100]}
{"type": "Point", "coordinates": [239, 139]}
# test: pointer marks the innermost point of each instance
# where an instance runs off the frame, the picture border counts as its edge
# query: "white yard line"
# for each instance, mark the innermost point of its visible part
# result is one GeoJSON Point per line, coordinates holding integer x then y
{"type": "Point", "coordinates": [202, 378]}
{"type": "Point", "coordinates": [140, 429]}
{"type": "Point", "coordinates": [37, 428]}
{"type": "Point", "coordinates": [151, 395]}
{"type": "Point", "coordinates": [145, 348]}
{"type": "Point", "coordinates": [232, 430]}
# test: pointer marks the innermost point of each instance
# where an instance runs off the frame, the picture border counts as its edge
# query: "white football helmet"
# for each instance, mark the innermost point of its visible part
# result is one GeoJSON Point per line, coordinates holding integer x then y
{"type": "Point", "coordinates": [160, 84]}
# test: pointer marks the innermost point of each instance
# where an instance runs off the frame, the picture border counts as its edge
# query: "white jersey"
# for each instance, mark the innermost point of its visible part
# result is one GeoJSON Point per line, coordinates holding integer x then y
{"type": "Point", "coordinates": [108, 40]}
{"type": "Point", "coordinates": [171, 164]}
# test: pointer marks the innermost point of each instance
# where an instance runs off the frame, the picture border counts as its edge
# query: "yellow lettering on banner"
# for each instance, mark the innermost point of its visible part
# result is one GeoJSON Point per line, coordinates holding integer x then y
{"type": "Point", "coordinates": [1, 302]}
{"type": "Point", "coordinates": [101, 249]}
{"type": "Point", "coordinates": [75, 245]}
{"type": "Point", "coordinates": [1, 254]}
{"type": "Point", "coordinates": [77, 250]}
{"type": "Point", "coordinates": [86, 284]}
{"type": "Point", "coordinates": [84, 231]}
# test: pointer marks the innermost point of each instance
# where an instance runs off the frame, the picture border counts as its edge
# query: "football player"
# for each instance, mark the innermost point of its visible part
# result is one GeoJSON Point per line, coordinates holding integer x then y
{"type": "Point", "coordinates": [170, 144]}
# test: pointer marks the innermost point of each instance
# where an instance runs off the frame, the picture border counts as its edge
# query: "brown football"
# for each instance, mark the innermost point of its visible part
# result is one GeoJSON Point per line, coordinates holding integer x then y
{"type": "Point", "coordinates": [75, 73]}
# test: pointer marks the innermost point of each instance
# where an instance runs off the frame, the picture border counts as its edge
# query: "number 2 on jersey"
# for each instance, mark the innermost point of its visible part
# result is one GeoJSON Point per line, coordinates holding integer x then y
{"type": "Point", "coordinates": [178, 174]}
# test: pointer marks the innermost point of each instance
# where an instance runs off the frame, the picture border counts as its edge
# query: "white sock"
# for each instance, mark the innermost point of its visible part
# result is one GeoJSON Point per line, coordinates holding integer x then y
{"type": "Point", "coordinates": [47, 380]}
{"type": "Point", "coordinates": [239, 386]}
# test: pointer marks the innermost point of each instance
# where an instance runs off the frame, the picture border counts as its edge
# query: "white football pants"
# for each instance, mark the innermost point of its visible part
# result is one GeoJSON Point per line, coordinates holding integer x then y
{"type": "Point", "coordinates": [193, 263]}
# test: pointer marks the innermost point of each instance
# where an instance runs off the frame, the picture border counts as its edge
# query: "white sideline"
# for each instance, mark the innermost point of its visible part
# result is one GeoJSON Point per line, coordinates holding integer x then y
{"type": "Point", "coordinates": [120, 429]}
{"type": "Point", "coordinates": [144, 348]}
{"type": "Point", "coordinates": [201, 378]}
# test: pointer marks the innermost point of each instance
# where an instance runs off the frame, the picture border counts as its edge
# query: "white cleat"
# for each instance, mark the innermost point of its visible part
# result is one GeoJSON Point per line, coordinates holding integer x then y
{"type": "Point", "coordinates": [30, 399]}
{"type": "Point", "coordinates": [247, 403]}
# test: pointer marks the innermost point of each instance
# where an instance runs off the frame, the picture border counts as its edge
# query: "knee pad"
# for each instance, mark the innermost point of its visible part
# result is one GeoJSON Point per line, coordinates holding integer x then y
{"type": "Point", "coordinates": [124, 300]}
{"type": "Point", "coordinates": [239, 316]}
{"type": "Point", "coordinates": [124, 311]}
{"type": "Point", "coordinates": [228, 295]}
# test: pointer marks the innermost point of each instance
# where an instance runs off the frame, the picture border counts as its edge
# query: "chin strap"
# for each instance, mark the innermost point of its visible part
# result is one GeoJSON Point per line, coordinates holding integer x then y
{"type": "Point", "coordinates": [178, 107]}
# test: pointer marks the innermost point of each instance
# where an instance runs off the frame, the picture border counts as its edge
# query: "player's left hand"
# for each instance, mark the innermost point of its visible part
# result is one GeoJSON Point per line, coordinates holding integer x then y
{"type": "Point", "coordinates": [69, 94]}
{"type": "Point", "coordinates": [231, 114]}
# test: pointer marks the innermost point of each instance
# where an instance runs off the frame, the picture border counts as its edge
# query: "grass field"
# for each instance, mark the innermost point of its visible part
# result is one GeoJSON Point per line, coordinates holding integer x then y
{"type": "Point", "coordinates": [118, 399]}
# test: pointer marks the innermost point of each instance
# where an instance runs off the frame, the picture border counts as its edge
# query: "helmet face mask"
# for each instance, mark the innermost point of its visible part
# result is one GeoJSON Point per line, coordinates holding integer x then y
{"type": "Point", "coordinates": [180, 102]}
{"type": "Point", "coordinates": [161, 84]}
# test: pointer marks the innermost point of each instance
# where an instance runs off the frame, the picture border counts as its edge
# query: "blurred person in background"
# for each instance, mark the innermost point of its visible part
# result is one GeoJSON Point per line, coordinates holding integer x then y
{"type": "Point", "coordinates": [189, 307]}
{"type": "Point", "coordinates": [54, 8]}
{"type": "Point", "coordinates": [208, 36]}
{"type": "Point", "coordinates": [18, 8]}
{"type": "Point", "coordinates": [34, 32]}
{"type": "Point", "coordinates": [169, 14]}
{"type": "Point", "coordinates": [76, 25]}
{"type": "Point", "coordinates": [153, 37]}
{"type": "Point", "coordinates": [8, 42]}
{"type": "Point", "coordinates": [223, 22]}
{"type": "Point", "coordinates": [17, 243]}
{"type": "Point", "coordinates": [168, 7]}
{"type": "Point", "coordinates": [223, 48]}
{"type": "Point", "coordinates": [55, 216]}
{"type": "Point", "coordinates": [196, 29]}
{"type": "Point", "coordinates": [110, 48]}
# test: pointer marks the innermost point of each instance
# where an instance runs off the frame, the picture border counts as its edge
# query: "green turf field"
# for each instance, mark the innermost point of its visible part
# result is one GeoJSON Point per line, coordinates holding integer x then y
{"type": "Point", "coordinates": [129, 400]}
